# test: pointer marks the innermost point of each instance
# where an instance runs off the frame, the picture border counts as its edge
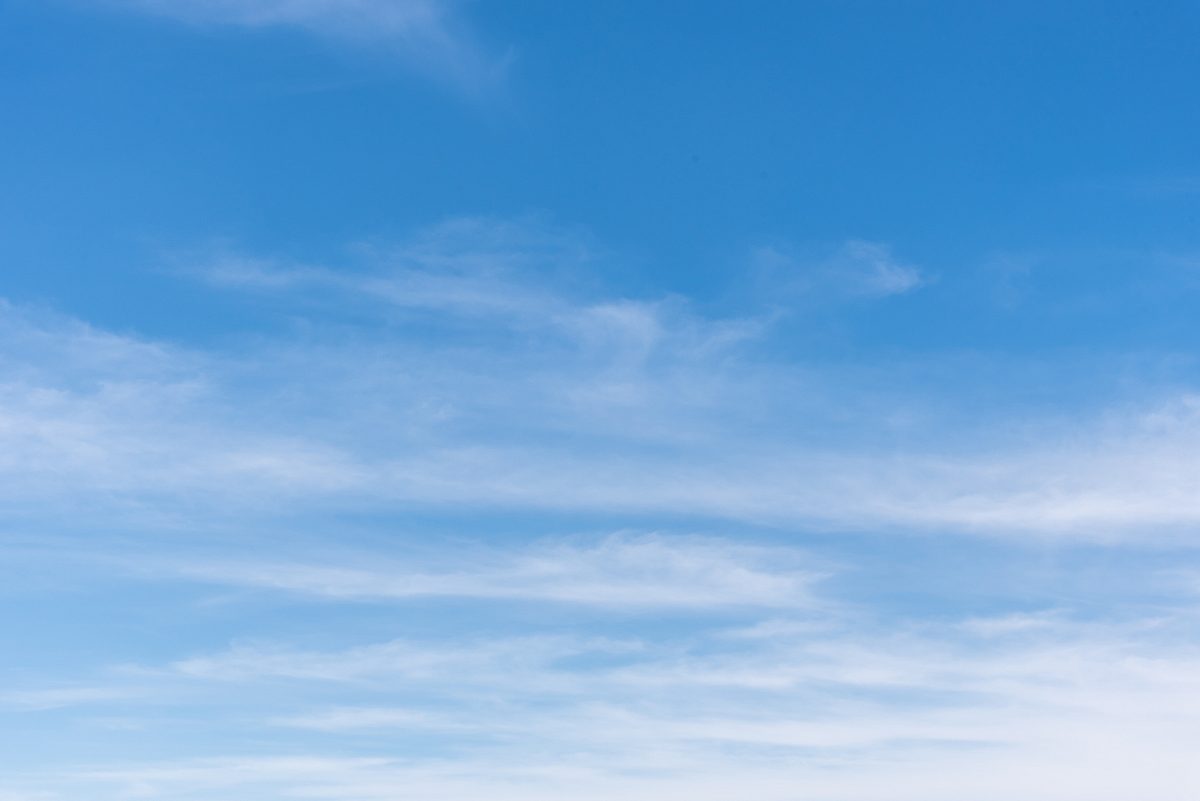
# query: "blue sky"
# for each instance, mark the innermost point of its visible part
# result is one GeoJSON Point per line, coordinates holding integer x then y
{"type": "Point", "coordinates": [540, 401]}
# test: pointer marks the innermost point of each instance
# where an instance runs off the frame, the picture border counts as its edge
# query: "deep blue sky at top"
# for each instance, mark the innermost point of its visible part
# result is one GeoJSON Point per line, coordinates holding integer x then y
{"type": "Point", "coordinates": [680, 135]}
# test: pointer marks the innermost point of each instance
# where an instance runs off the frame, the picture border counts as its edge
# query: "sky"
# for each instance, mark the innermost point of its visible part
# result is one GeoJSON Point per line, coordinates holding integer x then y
{"type": "Point", "coordinates": [531, 401]}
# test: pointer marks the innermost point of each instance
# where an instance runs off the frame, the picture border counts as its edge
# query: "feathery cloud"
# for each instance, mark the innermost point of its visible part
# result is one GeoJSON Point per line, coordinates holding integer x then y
{"type": "Point", "coordinates": [429, 34]}
{"type": "Point", "coordinates": [618, 571]}
{"type": "Point", "coordinates": [449, 375]}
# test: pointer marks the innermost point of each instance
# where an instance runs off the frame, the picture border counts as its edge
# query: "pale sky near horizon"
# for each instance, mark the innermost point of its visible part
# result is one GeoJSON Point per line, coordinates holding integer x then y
{"type": "Point", "coordinates": [566, 401]}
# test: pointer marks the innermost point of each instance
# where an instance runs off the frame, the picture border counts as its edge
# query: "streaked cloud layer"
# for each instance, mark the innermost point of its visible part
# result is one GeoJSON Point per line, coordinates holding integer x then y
{"type": "Point", "coordinates": [441, 376]}
{"type": "Point", "coordinates": [535, 396]}
{"type": "Point", "coordinates": [790, 405]}
{"type": "Point", "coordinates": [826, 697]}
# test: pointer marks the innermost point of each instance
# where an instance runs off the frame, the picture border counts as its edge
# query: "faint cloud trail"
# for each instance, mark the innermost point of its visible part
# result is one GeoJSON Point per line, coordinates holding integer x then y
{"type": "Point", "coordinates": [430, 35]}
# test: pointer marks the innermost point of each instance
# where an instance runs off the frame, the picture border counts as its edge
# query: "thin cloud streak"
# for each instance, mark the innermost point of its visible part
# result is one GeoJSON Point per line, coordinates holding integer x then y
{"type": "Point", "coordinates": [856, 269]}
{"type": "Point", "coordinates": [462, 381]}
{"type": "Point", "coordinates": [428, 34]}
{"type": "Point", "coordinates": [841, 711]}
{"type": "Point", "coordinates": [619, 571]}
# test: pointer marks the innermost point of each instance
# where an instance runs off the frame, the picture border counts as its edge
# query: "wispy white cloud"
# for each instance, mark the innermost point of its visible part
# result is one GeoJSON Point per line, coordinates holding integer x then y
{"type": "Point", "coordinates": [60, 697]}
{"type": "Point", "coordinates": [344, 719]}
{"type": "Point", "coordinates": [619, 571]}
{"type": "Point", "coordinates": [871, 269]}
{"type": "Point", "coordinates": [847, 712]}
{"type": "Point", "coordinates": [452, 375]}
{"type": "Point", "coordinates": [855, 269]}
{"type": "Point", "coordinates": [480, 662]}
{"type": "Point", "coordinates": [523, 275]}
{"type": "Point", "coordinates": [427, 33]}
